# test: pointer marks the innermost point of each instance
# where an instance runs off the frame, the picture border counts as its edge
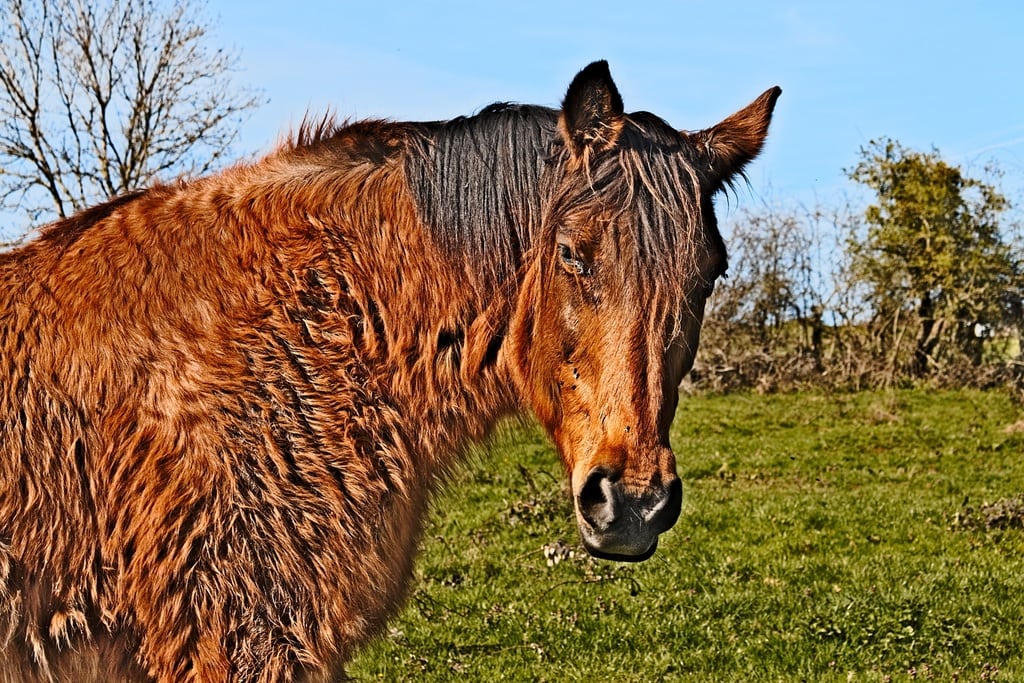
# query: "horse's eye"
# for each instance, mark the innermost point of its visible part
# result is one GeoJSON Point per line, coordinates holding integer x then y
{"type": "Point", "coordinates": [572, 261]}
{"type": "Point", "coordinates": [709, 288]}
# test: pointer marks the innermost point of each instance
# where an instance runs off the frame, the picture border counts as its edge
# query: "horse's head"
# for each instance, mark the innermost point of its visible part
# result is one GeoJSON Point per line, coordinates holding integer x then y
{"type": "Point", "coordinates": [609, 315]}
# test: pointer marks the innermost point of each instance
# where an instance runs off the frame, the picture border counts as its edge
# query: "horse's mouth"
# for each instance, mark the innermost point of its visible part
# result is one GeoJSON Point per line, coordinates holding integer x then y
{"type": "Point", "coordinates": [618, 525]}
{"type": "Point", "coordinates": [618, 557]}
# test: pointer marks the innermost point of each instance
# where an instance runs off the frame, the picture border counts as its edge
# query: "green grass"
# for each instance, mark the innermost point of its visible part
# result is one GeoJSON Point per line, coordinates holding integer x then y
{"type": "Point", "coordinates": [823, 538]}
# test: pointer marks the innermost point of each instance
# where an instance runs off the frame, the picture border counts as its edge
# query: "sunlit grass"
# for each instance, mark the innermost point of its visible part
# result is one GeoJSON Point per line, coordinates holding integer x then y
{"type": "Point", "coordinates": [823, 538]}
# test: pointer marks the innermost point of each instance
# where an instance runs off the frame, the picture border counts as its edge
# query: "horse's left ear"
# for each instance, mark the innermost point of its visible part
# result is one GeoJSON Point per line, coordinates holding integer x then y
{"type": "Point", "coordinates": [731, 144]}
{"type": "Point", "coordinates": [592, 113]}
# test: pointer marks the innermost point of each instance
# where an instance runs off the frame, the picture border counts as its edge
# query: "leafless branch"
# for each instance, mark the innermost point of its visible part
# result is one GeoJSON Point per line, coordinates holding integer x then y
{"type": "Point", "coordinates": [98, 98]}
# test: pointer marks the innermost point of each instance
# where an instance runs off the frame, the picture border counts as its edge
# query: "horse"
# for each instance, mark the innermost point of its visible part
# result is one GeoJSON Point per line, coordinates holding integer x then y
{"type": "Point", "coordinates": [225, 402]}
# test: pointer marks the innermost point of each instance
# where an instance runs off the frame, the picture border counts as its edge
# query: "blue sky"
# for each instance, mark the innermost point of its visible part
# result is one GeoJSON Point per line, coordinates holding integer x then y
{"type": "Point", "coordinates": [937, 73]}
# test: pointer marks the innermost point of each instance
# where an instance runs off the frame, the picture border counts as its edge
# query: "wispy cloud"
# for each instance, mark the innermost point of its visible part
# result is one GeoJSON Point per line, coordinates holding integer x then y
{"type": "Point", "coordinates": [809, 31]}
{"type": "Point", "coordinates": [995, 146]}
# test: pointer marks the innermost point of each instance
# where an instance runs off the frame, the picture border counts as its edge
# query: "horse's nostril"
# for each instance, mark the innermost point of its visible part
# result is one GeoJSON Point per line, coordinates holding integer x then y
{"type": "Point", "coordinates": [666, 512]}
{"type": "Point", "coordinates": [596, 500]}
{"type": "Point", "coordinates": [592, 492]}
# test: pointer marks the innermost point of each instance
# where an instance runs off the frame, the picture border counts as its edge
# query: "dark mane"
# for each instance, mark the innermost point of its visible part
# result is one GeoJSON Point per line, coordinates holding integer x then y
{"type": "Point", "coordinates": [343, 142]}
{"type": "Point", "coordinates": [476, 182]}
{"type": "Point", "coordinates": [314, 128]}
{"type": "Point", "coordinates": [477, 185]}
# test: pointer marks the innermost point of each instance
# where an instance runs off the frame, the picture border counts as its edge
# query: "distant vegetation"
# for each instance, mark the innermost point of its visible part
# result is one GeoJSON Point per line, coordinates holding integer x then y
{"type": "Point", "coordinates": [828, 537]}
{"type": "Point", "coordinates": [925, 284]}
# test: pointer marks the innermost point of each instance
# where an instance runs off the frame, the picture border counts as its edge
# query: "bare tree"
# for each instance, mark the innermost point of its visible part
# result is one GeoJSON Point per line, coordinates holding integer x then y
{"type": "Point", "coordinates": [102, 96]}
{"type": "Point", "coordinates": [770, 322]}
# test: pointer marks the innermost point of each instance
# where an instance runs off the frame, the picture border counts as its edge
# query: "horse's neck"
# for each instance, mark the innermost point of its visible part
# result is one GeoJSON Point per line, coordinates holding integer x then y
{"type": "Point", "coordinates": [415, 310]}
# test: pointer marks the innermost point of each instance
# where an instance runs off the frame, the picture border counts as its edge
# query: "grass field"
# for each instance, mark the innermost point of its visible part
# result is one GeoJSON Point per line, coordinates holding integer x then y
{"type": "Point", "coordinates": [855, 537]}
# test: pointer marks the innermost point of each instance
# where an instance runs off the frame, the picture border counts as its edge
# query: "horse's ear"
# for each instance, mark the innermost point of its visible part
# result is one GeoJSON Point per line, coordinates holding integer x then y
{"type": "Point", "coordinates": [731, 144]}
{"type": "Point", "coordinates": [592, 113]}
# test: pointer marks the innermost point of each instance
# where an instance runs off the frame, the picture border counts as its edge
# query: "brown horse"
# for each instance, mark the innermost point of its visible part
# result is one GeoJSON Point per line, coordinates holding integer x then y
{"type": "Point", "coordinates": [224, 403]}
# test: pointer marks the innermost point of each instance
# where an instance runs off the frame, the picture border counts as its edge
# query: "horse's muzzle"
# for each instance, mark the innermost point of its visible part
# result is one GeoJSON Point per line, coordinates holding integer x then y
{"type": "Point", "coordinates": [619, 525]}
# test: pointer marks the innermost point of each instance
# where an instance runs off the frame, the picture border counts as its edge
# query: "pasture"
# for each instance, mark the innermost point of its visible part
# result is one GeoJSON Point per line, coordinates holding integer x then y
{"type": "Point", "coordinates": [869, 537]}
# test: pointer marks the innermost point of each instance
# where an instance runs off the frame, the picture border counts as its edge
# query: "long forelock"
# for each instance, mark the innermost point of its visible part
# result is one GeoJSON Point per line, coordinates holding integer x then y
{"type": "Point", "coordinates": [653, 174]}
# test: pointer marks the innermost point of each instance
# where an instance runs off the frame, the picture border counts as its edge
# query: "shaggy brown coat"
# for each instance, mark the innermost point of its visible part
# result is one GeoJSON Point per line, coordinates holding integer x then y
{"type": "Point", "coordinates": [224, 403]}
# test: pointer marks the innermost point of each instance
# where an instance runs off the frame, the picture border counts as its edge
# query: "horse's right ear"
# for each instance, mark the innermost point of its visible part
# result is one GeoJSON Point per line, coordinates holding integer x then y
{"type": "Point", "coordinates": [731, 144]}
{"type": "Point", "coordinates": [592, 112]}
